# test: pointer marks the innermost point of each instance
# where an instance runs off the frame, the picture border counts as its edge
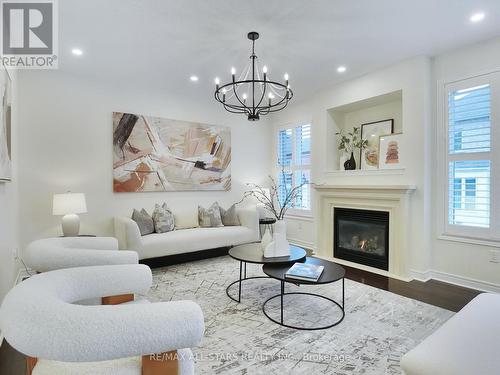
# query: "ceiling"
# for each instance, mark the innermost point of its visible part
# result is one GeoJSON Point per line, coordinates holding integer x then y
{"type": "Point", "coordinates": [158, 44]}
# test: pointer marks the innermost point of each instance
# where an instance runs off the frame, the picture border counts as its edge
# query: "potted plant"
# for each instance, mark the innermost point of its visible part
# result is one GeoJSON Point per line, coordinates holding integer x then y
{"type": "Point", "coordinates": [348, 143]}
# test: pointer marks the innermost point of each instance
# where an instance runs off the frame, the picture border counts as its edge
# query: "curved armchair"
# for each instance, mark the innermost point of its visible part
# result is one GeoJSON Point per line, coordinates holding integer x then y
{"type": "Point", "coordinates": [50, 254]}
{"type": "Point", "coordinates": [39, 319]}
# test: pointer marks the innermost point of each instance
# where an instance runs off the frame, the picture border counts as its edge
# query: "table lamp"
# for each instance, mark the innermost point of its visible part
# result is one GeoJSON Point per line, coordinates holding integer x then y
{"type": "Point", "coordinates": [69, 205]}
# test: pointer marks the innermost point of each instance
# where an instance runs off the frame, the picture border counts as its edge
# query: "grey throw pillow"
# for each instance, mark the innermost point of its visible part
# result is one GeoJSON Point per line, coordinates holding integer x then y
{"type": "Point", "coordinates": [163, 219]}
{"type": "Point", "coordinates": [209, 217]}
{"type": "Point", "coordinates": [229, 217]}
{"type": "Point", "coordinates": [144, 221]}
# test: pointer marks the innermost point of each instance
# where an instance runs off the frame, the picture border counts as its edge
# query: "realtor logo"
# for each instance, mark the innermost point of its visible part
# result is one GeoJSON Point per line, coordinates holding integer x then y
{"type": "Point", "coordinates": [29, 34]}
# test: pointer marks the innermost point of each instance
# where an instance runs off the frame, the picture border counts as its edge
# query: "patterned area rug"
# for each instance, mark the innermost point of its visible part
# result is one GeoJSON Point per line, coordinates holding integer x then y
{"type": "Point", "coordinates": [379, 326]}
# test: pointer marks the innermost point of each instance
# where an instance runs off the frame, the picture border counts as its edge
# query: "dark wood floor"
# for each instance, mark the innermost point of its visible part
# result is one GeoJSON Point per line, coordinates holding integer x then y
{"type": "Point", "coordinates": [447, 296]}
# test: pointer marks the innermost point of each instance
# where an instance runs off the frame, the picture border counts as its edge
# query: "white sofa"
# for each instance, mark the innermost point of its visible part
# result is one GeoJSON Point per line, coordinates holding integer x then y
{"type": "Point", "coordinates": [50, 254]}
{"type": "Point", "coordinates": [466, 344]}
{"type": "Point", "coordinates": [182, 241]}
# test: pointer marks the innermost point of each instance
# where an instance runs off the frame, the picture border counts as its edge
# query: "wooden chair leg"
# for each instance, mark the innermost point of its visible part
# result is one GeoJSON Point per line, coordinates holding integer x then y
{"type": "Point", "coordinates": [161, 364]}
{"type": "Point", "coordinates": [30, 364]}
{"type": "Point", "coordinates": [116, 300]}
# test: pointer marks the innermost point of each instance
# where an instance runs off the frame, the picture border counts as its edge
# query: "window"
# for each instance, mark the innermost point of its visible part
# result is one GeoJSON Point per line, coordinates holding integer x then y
{"type": "Point", "coordinates": [294, 158]}
{"type": "Point", "coordinates": [472, 142]}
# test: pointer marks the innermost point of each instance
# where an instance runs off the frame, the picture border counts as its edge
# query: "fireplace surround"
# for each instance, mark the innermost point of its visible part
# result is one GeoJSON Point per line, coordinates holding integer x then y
{"type": "Point", "coordinates": [362, 236]}
{"type": "Point", "coordinates": [394, 199]}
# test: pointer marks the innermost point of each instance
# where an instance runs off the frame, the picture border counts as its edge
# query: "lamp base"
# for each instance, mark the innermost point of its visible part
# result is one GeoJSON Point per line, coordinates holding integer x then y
{"type": "Point", "coordinates": [70, 225]}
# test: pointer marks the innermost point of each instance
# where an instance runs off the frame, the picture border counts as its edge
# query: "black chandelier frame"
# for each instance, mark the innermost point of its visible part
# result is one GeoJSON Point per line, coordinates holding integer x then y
{"type": "Point", "coordinates": [258, 105]}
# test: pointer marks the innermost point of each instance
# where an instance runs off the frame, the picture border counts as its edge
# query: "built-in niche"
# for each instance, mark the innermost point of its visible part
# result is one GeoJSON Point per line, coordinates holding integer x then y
{"type": "Point", "coordinates": [346, 117]}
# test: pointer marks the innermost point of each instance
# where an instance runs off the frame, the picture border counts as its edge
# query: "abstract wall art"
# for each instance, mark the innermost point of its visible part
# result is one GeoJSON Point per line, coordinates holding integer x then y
{"type": "Point", "coordinates": [5, 125]}
{"type": "Point", "coordinates": [159, 154]}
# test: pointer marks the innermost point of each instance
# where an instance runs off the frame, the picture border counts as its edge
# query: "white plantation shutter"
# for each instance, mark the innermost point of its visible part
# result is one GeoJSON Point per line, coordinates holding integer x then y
{"type": "Point", "coordinates": [471, 146]}
{"type": "Point", "coordinates": [294, 154]}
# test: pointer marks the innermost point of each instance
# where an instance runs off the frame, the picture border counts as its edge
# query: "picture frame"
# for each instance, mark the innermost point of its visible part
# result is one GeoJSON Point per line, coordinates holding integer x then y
{"type": "Point", "coordinates": [156, 154]}
{"type": "Point", "coordinates": [5, 125]}
{"type": "Point", "coordinates": [392, 155]}
{"type": "Point", "coordinates": [372, 131]}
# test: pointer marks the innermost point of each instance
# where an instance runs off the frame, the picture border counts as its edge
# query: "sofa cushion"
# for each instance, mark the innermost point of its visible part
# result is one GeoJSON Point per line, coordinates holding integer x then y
{"type": "Point", "coordinates": [186, 217]}
{"type": "Point", "coordinates": [144, 221]}
{"type": "Point", "coordinates": [229, 217]}
{"type": "Point", "coordinates": [210, 217]}
{"type": "Point", "coordinates": [163, 219]}
{"type": "Point", "coordinates": [194, 239]}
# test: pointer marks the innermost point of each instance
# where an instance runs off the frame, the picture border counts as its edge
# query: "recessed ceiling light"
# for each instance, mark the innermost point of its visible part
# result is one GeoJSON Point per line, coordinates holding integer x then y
{"type": "Point", "coordinates": [477, 17]}
{"type": "Point", "coordinates": [194, 78]}
{"type": "Point", "coordinates": [341, 69]}
{"type": "Point", "coordinates": [77, 51]}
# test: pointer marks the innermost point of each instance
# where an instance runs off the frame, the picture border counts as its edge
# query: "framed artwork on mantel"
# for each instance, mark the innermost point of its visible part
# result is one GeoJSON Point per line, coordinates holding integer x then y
{"type": "Point", "coordinates": [372, 132]}
{"type": "Point", "coordinates": [392, 155]}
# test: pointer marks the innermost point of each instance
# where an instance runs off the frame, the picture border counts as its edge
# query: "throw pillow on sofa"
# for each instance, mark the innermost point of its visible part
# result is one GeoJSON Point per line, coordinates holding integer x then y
{"type": "Point", "coordinates": [229, 217]}
{"type": "Point", "coordinates": [163, 219]}
{"type": "Point", "coordinates": [144, 221]}
{"type": "Point", "coordinates": [186, 218]}
{"type": "Point", "coordinates": [209, 217]}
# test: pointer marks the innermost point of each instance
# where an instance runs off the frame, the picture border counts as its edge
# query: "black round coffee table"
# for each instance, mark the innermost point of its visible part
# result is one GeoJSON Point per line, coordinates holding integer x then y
{"type": "Point", "coordinates": [252, 253]}
{"type": "Point", "coordinates": [332, 272]}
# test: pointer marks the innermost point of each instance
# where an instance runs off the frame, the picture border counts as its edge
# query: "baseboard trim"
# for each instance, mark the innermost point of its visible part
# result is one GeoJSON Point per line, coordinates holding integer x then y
{"type": "Point", "coordinates": [466, 282]}
{"type": "Point", "coordinates": [170, 260]}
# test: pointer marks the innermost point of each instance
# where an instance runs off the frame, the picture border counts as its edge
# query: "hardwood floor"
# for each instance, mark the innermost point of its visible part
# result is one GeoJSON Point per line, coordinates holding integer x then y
{"type": "Point", "coordinates": [437, 293]}
{"type": "Point", "coordinates": [447, 296]}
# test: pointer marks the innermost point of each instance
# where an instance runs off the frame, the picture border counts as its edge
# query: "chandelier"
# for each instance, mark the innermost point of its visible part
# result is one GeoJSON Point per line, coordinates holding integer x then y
{"type": "Point", "coordinates": [253, 94]}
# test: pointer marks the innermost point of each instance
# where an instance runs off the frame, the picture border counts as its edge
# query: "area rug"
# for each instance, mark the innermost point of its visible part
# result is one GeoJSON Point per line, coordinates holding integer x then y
{"type": "Point", "coordinates": [378, 328]}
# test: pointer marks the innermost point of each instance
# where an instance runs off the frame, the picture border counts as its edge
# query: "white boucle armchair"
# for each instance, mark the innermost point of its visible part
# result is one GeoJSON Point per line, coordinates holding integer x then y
{"type": "Point", "coordinates": [50, 254]}
{"type": "Point", "coordinates": [38, 317]}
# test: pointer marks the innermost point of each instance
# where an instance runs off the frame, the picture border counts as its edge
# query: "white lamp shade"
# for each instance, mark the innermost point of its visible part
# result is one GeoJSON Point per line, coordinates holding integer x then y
{"type": "Point", "coordinates": [69, 203]}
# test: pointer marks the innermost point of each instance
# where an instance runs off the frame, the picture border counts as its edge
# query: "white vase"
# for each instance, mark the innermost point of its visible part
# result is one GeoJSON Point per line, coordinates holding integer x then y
{"type": "Point", "coordinates": [281, 245]}
{"type": "Point", "coordinates": [280, 227]}
{"type": "Point", "coordinates": [266, 239]}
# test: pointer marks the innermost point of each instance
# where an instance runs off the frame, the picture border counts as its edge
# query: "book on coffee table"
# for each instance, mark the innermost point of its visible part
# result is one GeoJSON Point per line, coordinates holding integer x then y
{"type": "Point", "coordinates": [304, 271]}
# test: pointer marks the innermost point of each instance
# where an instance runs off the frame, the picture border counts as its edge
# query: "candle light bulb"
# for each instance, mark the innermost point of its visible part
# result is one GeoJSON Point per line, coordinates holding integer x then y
{"type": "Point", "coordinates": [286, 76]}
{"type": "Point", "coordinates": [233, 71]}
{"type": "Point", "coordinates": [264, 69]}
{"type": "Point", "coordinates": [271, 96]}
{"type": "Point", "coordinates": [244, 96]}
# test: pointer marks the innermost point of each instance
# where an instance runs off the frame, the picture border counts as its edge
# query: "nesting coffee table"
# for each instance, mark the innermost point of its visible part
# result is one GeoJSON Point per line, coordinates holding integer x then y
{"type": "Point", "coordinates": [332, 272]}
{"type": "Point", "coordinates": [252, 253]}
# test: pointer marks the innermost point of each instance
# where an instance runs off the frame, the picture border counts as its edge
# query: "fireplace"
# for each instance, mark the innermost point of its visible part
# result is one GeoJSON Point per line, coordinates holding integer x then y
{"type": "Point", "coordinates": [362, 236]}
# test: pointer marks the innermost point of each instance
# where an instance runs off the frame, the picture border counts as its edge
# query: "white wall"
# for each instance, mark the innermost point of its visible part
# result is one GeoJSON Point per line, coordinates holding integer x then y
{"type": "Point", "coordinates": [413, 78]}
{"type": "Point", "coordinates": [9, 209]}
{"type": "Point", "coordinates": [468, 261]}
{"type": "Point", "coordinates": [66, 132]}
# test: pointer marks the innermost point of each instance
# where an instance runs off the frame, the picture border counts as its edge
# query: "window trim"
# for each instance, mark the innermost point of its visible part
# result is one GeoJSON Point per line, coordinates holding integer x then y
{"type": "Point", "coordinates": [468, 234]}
{"type": "Point", "coordinates": [293, 212]}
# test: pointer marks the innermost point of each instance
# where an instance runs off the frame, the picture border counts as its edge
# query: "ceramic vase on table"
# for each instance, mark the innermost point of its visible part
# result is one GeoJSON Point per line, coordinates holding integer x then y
{"type": "Point", "coordinates": [279, 247]}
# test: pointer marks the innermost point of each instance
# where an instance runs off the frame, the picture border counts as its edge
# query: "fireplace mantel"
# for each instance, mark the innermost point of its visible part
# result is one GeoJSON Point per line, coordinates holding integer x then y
{"type": "Point", "coordinates": [401, 188]}
{"type": "Point", "coordinates": [394, 199]}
